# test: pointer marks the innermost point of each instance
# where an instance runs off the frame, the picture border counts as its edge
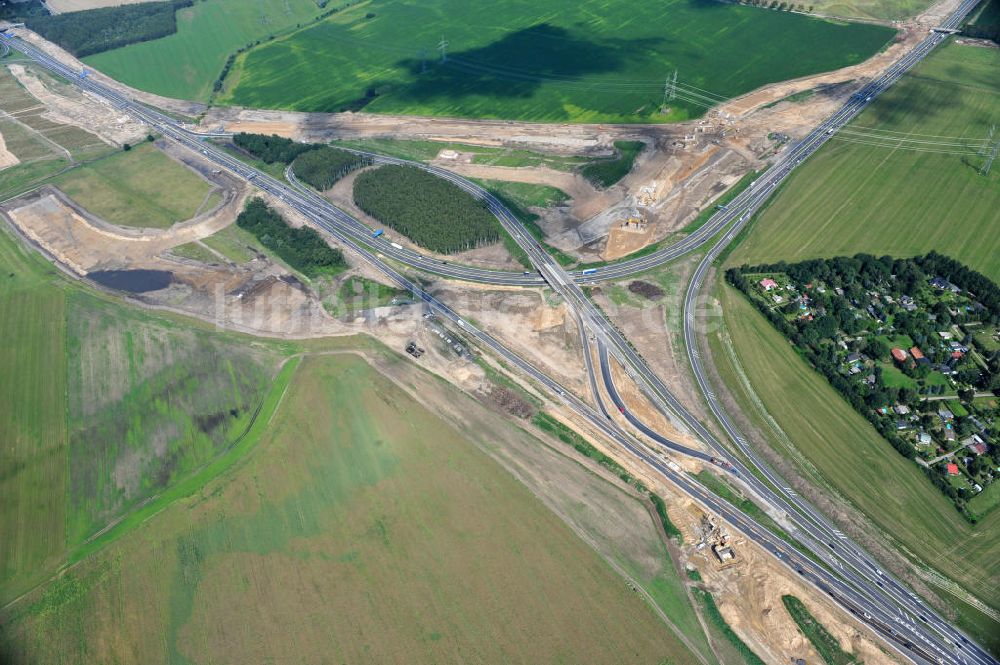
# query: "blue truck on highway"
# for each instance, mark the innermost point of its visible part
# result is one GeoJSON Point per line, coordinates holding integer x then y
{"type": "Point", "coordinates": [378, 233]}
{"type": "Point", "coordinates": [590, 271]}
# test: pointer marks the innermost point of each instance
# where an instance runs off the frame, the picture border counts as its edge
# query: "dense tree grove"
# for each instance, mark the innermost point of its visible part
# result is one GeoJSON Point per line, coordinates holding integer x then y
{"type": "Point", "coordinates": [432, 212]}
{"type": "Point", "coordinates": [95, 30]}
{"type": "Point", "coordinates": [271, 149]}
{"type": "Point", "coordinates": [18, 11]}
{"type": "Point", "coordinates": [303, 248]}
{"type": "Point", "coordinates": [324, 166]}
{"type": "Point", "coordinates": [836, 307]}
{"type": "Point", "coordinates": [986, 24]}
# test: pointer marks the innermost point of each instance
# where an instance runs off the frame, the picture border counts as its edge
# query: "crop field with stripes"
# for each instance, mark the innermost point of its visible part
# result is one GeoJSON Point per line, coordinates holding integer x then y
{"type": "Point", "coordinates": [592, 61]}
{"type": "Point", "coordinates": [903, 179]}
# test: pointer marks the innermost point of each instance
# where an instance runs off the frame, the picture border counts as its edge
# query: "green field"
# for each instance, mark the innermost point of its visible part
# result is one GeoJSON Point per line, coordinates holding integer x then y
{"type": "Point", "coordinates": [526, 194]}
{"type": "Point", "coordinates": [32, 418]}
{"type": "Point", "coordinates": [853, 197]}
{"type": "Point", "coordinates": [849, 455]}
{"type": "Point", "coordinates": [543, 60]}
{"type": "Point", "coordinates": [186, 64]}
{"type": "Point", "coordinates": [142, 188]}
{"type": "Point", "coordinates": [102, 407]}
{"type": "Point", "coordinates": [347, 535]}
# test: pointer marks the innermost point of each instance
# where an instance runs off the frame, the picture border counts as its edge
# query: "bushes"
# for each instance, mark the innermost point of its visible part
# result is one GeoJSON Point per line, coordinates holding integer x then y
{"type": "Point", "coordinates": [271, 149]}
{"type": "Point", "coordinates": [303, 248]}
{"type": "Point", "coordinates": [715, 617]}
{"type": "Point", "coordinates": [606, 172]}
{"type": "Point", "coordinates": [827, 645]}
{"type": "Point", "coordinates": [95, 30]}
{"type": "Point", "coordinates": [432, 212]}
{"type": "Point", "coordinates": [324, 166]}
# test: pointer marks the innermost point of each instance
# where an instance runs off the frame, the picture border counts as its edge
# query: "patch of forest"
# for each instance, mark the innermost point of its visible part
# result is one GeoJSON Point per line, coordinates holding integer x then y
{"type": "Point", "coordinates": [303, 248]}
{"type": "Point", "coordinates": [324, 166]}
{"type": "Point", "coordinates": [271, 149]}
{"type": "Point", "coordinates": [93, 31]}
{"type": "Point", "coordinates": [432, 212]}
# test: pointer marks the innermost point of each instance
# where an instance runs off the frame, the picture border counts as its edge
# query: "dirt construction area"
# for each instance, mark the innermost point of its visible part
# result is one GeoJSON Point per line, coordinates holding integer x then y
{"type": "Point", "coordinates": [65, 6]}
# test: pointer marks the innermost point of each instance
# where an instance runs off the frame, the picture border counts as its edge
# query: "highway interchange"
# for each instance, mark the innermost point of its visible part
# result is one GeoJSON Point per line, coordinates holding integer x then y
{"type": "Point", "coordinates": [841, 569]}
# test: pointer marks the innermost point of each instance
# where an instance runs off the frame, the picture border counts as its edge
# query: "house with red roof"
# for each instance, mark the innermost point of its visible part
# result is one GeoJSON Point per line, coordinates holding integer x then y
{"type": "Point", "coordinates": [768, 284]}
{"type": "Point", "coordinates": [952, 469]}
{"type": "Point", "coordinates": [899, 354]}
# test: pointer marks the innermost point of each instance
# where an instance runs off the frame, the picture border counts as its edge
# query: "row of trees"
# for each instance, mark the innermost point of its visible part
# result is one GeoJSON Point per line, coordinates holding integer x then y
{"type": "Point", "coordinates": [432, 212]}
{"type": "Point", "coordinates": [271, 149]}
{"type": "Point", "coordinates": [302, 248]}
{"type": "Point", "coordinates": [324, 166]}
{"type": "Point", "coordinates": [95, 30]}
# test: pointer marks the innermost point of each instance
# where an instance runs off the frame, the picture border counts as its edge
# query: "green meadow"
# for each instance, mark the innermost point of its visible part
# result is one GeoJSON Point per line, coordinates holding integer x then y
{"type": "Point", "coordinates": [141, 187]}
{"type": "Point", "coordinates": [543, 60]}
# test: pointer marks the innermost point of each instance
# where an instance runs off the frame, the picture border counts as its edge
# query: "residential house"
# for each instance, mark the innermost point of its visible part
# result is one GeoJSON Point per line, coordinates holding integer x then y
{"type": "Point", "coordinates": [899, 354]}
{"type": "Point", "coordinates": [768, 284]}
{"type": "Point", "coordinates": [952, 469]}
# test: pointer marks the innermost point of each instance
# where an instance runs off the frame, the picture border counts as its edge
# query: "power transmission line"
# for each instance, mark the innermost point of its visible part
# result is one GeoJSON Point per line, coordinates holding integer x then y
{"type": "Point", "coordinates": [443, 47]}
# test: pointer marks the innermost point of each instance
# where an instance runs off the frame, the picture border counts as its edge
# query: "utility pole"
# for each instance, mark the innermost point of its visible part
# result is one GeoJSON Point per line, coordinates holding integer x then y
{"type": "Point", "coordinates": [985, 171]}
{"type": "Point", "coordinates": [990, 150]}
{"type": "Point", "coordinates": [988, 141]}
{"type": "Point", "coordinates": [443, 47]}
{"type": "Point", "coordinates": [670, 88]}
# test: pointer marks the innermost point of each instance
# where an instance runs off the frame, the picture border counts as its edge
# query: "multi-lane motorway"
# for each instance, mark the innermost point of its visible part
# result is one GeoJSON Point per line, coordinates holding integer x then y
{"type": "Point", "coordinates": [847, 575]}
